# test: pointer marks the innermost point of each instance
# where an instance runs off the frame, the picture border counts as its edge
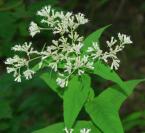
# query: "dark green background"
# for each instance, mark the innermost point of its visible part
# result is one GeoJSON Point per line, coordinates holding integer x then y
{"type": "Point", "coordinates": [32, 105]}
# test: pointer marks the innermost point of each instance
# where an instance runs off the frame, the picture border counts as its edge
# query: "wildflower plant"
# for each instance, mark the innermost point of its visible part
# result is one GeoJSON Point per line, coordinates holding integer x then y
{"type": "Point", "coordinates": [70, 58]}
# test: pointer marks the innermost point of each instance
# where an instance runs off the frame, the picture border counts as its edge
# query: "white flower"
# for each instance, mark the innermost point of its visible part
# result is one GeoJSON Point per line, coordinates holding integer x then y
{"type": "Point", "coordinates": [90, 65]}
{"type": "Point", "coordinates": [95, 50]}
{"type": "Point", "coordinates": [18, 78]}
{"type": "Point", "coordinates": [76, 37]}
{"type": "Point", "coordinates": [34, 29]}
{"type": "Point", "coordinates": [64, 54]}
{"type": "Point", "coordinates": [68, 67]}
{"type": "Point", "coordinates": [124, 39]}
{"type": "Point", "coordinates": [115, 64]}
{"type": "Point", "coordinates": [80, 72]}
{"type": "Point", "coordinates": [46, 54]}
{"type": "Point", "coordinates": [53, 65]}
{"type": "Point", "coordinates": [26, 47]}
{"type": "Point", "coordinates": [15, 64]}
{"type": "Point", "coordinates": [63, 16]}
{"type": "Point", "coordinates": [78, 63]}
{"type": "Point", "coordinates": [90, 49]}
{"type": "Point", "coordinates": [62, 82]}
{"type": "Point", "coordinates": [81, 18]}
{"type": "Point", "coordinates": [77, 47]}
{"type": "Point", "coordinates": [85, 130]}
{"type": "Point", "coordinates": [50, 16]}
{"type": "Point", "coordinates": [28, 74]}
{"type": "Point", "coordinates": [112, 42]}
{"type": "Point", "coordinates": [85, 59]}
{"type": "Point", "coordinates": [16, 61]}
{"type": "Point", "coordinates": [68, 130]}
{"type": "Point", "coordinates": [61, 28]}
{"type": "Point", "coordinates": [114, 48]}
{"type": "Point", "coordinates": [11, 69]}
{"type": "Point", "coordinates": [87, 63]}
{"type": "Point", "coordinates": [45, 11]}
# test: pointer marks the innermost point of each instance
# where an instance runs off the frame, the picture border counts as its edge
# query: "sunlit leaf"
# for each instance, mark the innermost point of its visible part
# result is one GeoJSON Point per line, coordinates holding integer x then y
{"type": "Point", "coordinates": [93, 37]}
{"type": "Point", "coordinates": [105, 72]}
{"type": "Point", "coordinates": [74, 98]}
{"type": "Point", "coordinates": [59, 128]}
{"type": "Point", "coordinates": [50, 79]}
{"type": "Point", "coordinates": [104, 109]}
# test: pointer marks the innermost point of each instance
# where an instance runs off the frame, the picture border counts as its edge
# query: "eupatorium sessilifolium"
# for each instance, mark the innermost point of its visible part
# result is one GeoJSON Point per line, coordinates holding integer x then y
{"type": "Point", "coordinates": [71, 58]}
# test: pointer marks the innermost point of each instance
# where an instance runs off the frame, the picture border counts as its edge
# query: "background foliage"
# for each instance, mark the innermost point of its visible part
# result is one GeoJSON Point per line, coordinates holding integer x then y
{"type": "Point", "coordinates": [32, 105]}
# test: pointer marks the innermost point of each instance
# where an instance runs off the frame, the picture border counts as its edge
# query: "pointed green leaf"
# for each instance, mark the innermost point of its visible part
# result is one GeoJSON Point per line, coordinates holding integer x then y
{"type": "Point", "coordinates": [49, 78]}
{"type": "Point", "coordinates": [5, 110]}
{"type": "Point", "coordinates": [94, 37]}
{"type": "Point", "coordinates": [7, 25]}
{"type": "Point", "coordinates": [134, 119]}
{"type": "Point", "coordinates": [104, 109]}
{"type": "Point", "coordinates": [74, 98]}
{"type": "Point", "coordinates": [102, 70]}
{"type": "Point", "coordinates": [105, 72]}
{"type": "Point", "coordinates": [59, 128]}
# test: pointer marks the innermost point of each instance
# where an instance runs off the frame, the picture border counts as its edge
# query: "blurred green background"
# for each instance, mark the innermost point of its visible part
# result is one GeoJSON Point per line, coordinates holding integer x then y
{"type": "Point", "coordinates": [32, 105]}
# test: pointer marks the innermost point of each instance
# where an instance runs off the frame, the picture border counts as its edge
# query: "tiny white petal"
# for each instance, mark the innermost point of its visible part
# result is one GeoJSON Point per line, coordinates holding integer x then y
{"type": "Point", "coordinates": [34, 29]}
{"type": "Point", "coordinates": [28, 74]}
{"type": "Point", "coordinates": [18, 78]}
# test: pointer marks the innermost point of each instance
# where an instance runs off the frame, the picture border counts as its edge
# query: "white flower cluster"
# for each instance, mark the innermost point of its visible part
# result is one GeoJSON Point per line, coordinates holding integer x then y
{"type": "Point", "coordinates": [17, 63]}
{"type": "Point", "coordinates": [58, 22]}
{"type": "Point", "coordinates": [83, 130]}
{"type": "Point", "coordinates": [64, 55]}
{"type": "Point", "coordinates": [114, 46]}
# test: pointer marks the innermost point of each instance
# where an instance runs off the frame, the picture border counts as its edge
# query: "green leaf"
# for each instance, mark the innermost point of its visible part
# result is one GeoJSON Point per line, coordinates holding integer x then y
{"type": "Point", "coordinates": [49, 78]}
{"type": "Point", "coordinates": [94, 37]}
{"type": "Point", "coordinates": [4, 125]}
{"type": "Point", "coordinates": [134, 116]}
{"type": "Point", "coordinates": [5, 110]}
{"type": "Point", "coordinates": [74, 98]}
{"type": "Point", "coordinates": [7, 26]}
{"type": "Point", "coordinates": [105, 72]}
{"type": "Point", "coordinates": [140, 123]}
{"type": "Point", "coordinates": [91, 95]}
{"type": "Point", "coordinates": [59, 128]}
{"type": "Point", "coordinates": [101, 69]}
{"type": "Point", "coordinates": [23, 29]}
{"type": "Point", "coordinates": [6, 82]}
{"type": "Point", "coordinates": [134, 119]}
{"type": "Point", "coordinates": [104, 109]}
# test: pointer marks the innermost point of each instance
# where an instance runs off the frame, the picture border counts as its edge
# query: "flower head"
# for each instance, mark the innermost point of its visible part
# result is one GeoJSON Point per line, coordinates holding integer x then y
{"type": "Point", "coordinates": [124, 39]}
{"type": "Point", "coordinates": [85, 130]}
{"type": "Point", "coordinates": [34, 29]}
{"type": "Point", "coordinates": [81, 18]}
{"type": "Point", "coordinates": [64, 55]}
{"type": "Point", "coordinates": [28, 74]}
{"type": "Point", "coordinates": [45, 11]}
{"type": "Point", "coordinates": [114, 47]}
{"type": "Point", "coordinates": [68, 130]}
{"type": "Point", "coordinates": [62, 82]}
{"type": "Point", "coordinates": [18, 78]}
